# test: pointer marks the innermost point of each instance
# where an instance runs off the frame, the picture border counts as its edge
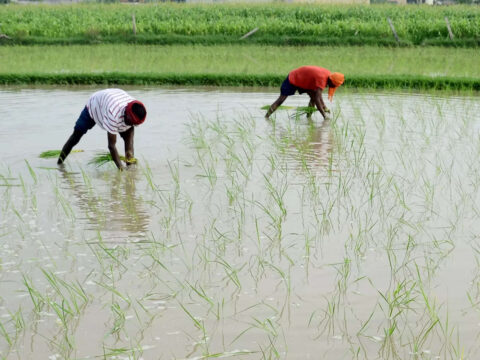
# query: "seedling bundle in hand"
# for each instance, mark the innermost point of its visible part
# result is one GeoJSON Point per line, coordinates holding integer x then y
{"type": "Point", "coordinates": [300, 110]}
{"type": "Point", "coordinates": [105, 157]}
{"type": "Point", "coordinates": [98, 160]}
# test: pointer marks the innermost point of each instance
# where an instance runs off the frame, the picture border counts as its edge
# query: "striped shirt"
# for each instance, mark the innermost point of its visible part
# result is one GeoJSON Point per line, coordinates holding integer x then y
{"type": "Point", "coordinates": [107, 108]}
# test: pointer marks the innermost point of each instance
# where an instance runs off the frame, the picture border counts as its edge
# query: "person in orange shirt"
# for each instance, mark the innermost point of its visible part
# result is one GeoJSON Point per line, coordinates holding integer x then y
{"type": "Point", "coordinates": [311, 80]}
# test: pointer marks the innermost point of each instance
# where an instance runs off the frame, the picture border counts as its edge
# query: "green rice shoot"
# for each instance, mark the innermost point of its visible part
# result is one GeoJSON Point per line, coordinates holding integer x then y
{"type": "Point", "coordinates": [54, 153]}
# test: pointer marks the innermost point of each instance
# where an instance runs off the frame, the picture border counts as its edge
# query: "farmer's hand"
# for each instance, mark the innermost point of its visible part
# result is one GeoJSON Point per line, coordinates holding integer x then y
{"type": "Point", "coordinates": [327, 110]}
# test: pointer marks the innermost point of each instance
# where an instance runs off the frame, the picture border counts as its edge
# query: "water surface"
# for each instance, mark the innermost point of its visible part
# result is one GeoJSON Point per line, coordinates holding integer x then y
{"type": "Point", "coordinates": [355, 237]}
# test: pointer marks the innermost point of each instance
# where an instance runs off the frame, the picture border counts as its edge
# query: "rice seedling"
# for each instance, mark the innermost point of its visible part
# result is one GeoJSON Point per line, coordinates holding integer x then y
{"type": "Point", "coordinates": [281, 107]}
{"type": "Point", "coordinates": [208, 169]}
{"type": "Point", "coordinates": [12, 329]}
{"type": "Point", "coordinates": [5, 335]}
{"type": "Point", "coordinates": [37, 299]}
{"type": "Point", "coordinates": [119, 319]}
{"type": "Point", "coordinates": [77, 297]}
{"type": "Point", "coordinates": [55, 153]}
{"type": "Point", "coordinates": [104, 158]}
{"type": "Point", "coordinates": [66, 206]}
{"type": "Point", "coordinates": [32, 172]}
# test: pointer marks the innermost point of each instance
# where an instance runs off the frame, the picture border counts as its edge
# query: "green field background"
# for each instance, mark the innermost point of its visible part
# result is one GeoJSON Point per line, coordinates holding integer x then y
{"type": "Point", "coordinates": [200, 44]}
{"type": "Point", "coordinates": [237, 59]}
{"type": "Point", "coordinates": [214, 24]}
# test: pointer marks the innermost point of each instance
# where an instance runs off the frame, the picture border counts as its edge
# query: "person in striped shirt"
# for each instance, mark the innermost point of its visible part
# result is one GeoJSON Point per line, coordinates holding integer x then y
{"type": "Point", "coordinates": [114, 111]}
{"type": "Point", "coordinates": [311, 80]}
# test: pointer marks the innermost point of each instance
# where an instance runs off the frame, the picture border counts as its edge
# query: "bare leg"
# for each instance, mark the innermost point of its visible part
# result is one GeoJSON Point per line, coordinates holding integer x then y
{"type": "Point", "coordinates": [71, 142]}
{"type": "Point", "coordinates": [275, 105]}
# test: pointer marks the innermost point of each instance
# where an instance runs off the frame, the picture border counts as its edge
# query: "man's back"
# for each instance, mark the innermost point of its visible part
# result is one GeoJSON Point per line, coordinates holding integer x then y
{"type": "Point", "coordinates": [107, 108]}
{"type": "Point", "coordinates": [309, 77]}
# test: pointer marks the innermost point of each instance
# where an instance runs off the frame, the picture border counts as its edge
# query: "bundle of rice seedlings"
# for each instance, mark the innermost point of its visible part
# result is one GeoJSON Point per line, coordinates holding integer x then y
{"type": "Point", "coordinates": [54, 153]}
{"type": "Point", "coordinates": [105, 157]}
{"type": "Point", "coordinates": [281, 107]}
{"type": "Point", "coordinates": [301, 110]}
{"type": "Point", "coordinates": [305, 110]}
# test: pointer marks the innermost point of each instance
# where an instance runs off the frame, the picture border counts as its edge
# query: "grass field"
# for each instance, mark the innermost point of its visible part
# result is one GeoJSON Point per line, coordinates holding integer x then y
{"type": "Point", "coordinates": [236, 59]}
{"type": "Point", "coordinates": [253, 65]}
{"type": "Point", "coordinates": [223, 23]}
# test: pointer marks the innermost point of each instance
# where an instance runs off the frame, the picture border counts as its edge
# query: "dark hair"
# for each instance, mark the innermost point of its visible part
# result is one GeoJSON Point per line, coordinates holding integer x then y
{"type": "Point", "coordinates": [139, 110]}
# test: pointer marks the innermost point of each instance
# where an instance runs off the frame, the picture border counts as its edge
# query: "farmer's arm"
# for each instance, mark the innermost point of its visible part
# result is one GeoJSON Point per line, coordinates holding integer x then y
{"type": "Point", "coordinates": [275, 105]}
{"type": "Point", "coordinates": [316, 98]}
{"type": "Point", "coordinates": [112, 140]}
{"type": "Point", "coordinates": [127, 137]}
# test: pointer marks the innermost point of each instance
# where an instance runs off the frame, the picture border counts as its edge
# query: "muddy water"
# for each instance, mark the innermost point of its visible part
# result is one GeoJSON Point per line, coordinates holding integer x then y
{"type": "Point", "coordinates": [355, 237]}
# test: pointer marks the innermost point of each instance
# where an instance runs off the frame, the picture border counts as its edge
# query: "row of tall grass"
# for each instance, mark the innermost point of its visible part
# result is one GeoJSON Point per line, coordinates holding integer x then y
{"type": "Point", "coordinates": [223, 23]}
{"type": "Point", "coordinates": [267, 80]}
{"type": "Point", "coordinates": [265, 39]}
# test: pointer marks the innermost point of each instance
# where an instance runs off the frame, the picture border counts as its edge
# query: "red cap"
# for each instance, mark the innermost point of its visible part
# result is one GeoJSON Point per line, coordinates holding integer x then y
{"type": "Point", "coordinates": [136, 120]}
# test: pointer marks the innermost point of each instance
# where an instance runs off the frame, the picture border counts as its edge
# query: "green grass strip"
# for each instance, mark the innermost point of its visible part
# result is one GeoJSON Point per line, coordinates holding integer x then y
{"type": "Point", "coordinates": [269, 80]}
{"type": "Point", "coordinates": [286, 40]}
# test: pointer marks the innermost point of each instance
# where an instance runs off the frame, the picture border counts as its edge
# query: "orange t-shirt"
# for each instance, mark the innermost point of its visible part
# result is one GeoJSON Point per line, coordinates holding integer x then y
{"type": "Point", "coordinates": [309, 77]}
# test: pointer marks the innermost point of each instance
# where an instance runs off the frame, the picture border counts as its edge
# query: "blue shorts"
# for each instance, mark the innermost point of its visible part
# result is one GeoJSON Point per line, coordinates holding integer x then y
{"type": "Point", "coordinates": [84, 122]}
{"type": "Point", "coordinates": [288, 88]}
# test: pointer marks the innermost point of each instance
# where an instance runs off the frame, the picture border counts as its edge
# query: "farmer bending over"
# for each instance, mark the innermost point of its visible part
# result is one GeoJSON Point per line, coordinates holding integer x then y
{"type": "Point", "coordinates": [115, 112]}
{"type": "Point", "coordinates": [311, 80]}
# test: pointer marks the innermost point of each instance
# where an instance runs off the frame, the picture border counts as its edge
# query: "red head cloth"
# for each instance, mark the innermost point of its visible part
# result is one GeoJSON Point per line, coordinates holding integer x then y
{"type": "Point", "coordinates": [136, 120]}
{"type": "Point", "coordinates": [337, 79]}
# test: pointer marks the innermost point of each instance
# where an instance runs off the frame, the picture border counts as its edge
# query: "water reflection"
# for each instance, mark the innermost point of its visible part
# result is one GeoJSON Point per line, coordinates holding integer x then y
{"type": "Point", "coordinates": [310, 144]}
{"type": "Point", "coordinates": [319, 141]}
{"type": "Point", "coordinates": [109, 202]}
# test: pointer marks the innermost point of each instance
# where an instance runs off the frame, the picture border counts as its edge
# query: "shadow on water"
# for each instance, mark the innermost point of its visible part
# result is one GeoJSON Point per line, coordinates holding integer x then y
{"type": "Point", "coordinates": [110, 203]}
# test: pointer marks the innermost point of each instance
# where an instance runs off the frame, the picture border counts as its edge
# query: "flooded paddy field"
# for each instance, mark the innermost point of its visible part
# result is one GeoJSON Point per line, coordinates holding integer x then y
{"type": "Point", "coordinates": [237, 237]}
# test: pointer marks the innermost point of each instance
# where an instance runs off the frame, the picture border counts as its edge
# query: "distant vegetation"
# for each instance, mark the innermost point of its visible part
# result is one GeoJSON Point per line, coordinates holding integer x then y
{"type": "Point", "coordinates": [279, 24]}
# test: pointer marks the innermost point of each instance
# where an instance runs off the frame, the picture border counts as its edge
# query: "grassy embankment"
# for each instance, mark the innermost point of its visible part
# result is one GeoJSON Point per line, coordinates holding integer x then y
{"type": "Point", "coordinates": [249, 62]}
{"type": "Point", "coordinates": [236, 65]}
